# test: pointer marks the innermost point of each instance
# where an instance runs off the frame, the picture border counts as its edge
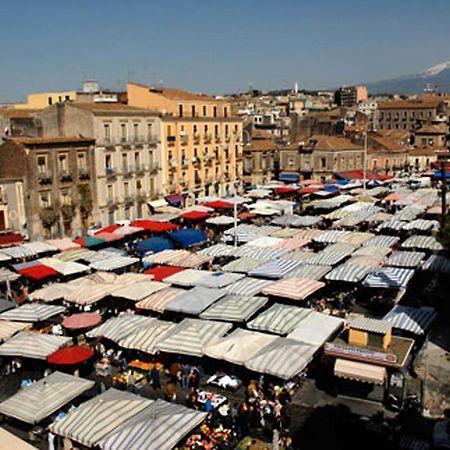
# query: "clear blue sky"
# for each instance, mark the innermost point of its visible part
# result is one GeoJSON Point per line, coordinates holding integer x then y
{"type": "Point", "coordinates": [216, 46]}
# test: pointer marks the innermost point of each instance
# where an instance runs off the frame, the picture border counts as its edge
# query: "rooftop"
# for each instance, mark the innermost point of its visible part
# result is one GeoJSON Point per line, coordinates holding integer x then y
{"type": "Point", "coordinates": [371, 325]}
{"type": "Point", "coordinates": [176, 94]}
{"type": "Point", "coordinates": [425, 103]}
{"type": "Point", "coordinates": [325, 142]}
{"type": "Point", "coordinates": [51, 140]}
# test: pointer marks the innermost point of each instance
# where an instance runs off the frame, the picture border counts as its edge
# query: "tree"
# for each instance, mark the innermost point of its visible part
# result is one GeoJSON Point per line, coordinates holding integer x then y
{"type": "Point", "coordinates": [49, 216]}
{"type": "Point", "coordinates": [68, 214]}
{"type": "Point", "coordinates": [86, 204]}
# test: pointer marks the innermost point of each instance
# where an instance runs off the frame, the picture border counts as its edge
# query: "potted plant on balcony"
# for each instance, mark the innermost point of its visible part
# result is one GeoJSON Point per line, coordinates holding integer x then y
{"type": "Point", "coordinates": [86, 205]}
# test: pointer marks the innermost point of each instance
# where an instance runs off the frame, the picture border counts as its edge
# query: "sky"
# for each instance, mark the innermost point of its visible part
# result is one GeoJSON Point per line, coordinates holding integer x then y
{"type": "Point", "coordinates": [216, 46]}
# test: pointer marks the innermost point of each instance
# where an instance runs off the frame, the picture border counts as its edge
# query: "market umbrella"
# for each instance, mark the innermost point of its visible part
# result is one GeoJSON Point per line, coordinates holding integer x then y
{"type": "Point", "coordinates": [70, 355]}
{"type": "Point", "coordinates": [81, 320]}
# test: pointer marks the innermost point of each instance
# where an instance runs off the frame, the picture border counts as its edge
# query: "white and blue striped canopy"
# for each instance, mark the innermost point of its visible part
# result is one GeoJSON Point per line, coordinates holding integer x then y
{"type": "Point", "coordinates": [274, 269]}
{"type": "Point", "coordinates": [218, 250]}
{"type": "Point", "coordinates": [195, 300]}
{"type": "Point", "coordinates": [242, 265]}
{"type": "Point", "coordinates": [408, 318]}
{"type": "Point", "coordinates": [266, 253]}
{"type": "Point", "coordinates": [310, 271]}
{"type": "Point", "coordinates": [234, 308]}
{"type": "Point", "coordinates": [327, 258]}
{"type": "Point", "coordinates": [331, 236]}
{"type": "Point", "coordinates": [389, 277]}
{"type": "Point", "coordinates": [437, 263]}
{"type": "Point", "coordinates": [423, 243]}
{"type": "Point", "coordinates": [382, 241]}
{"type": "Point", "coordinates": [348, 273]}
{"type": "Point", "coordinates": [405, 259]}
{"type": "Point", "coordinates": [32, 312]}
{"type": "Point", "coordinates": [247, 286]}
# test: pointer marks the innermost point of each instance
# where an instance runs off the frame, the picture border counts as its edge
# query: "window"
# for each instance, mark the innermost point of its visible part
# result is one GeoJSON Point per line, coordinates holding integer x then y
{"type": "Point", "coordinates": [374, 164]}
{"type": "Point", "coordinates": [108, 162]}
{"type": "Point", "coordinates": [424, 141]}
{"type": "Point", "coordinates": [123, 132]}
{"type": "Point", "coordinates": [150, 157]}
{"type": "Point", "coordinates": [65, 197]}
{"type": "Point", "coordinates": [194, 129]}
{"type": "Point", "coordinates": [225, 112]}
{"type": "Point", "coordinates": [138, 186]}
{"type": "Point", "coordinates": [109, 191]}
{"type": "Point", "coordinates": [193, 110]}
{"type": "Point", "coordinates": [180, 110]}
{"type": "Point", "coordinates": [150, 131]}
{"type": "Point", "coordinates": [81, 161]}
{"type": "Point", "coordinates": [124, 160]}
{"type": "Point", "coordinates": [216, 130]}
{"type": "Point", "coordinates": [215, 111]}
{"type": "Point", "coordinates": [226, 130]}
{"type": "Point", "coordinates": [126, 189]}
{"type": "Point", "coordinates": [375, 340]}
{"type": "Point", "coordinates": [169, 130]}
{"type": "Point", "coordinates": [67, 98]}
{"type": "Point", "coordinates": [204, 110]}
{"type": "Point", "coordinates": [50, 100]}
{"type": "Point", "coordinates": [42, 164]}
{"type": "Point", "coordinates": [136, 131]}
{"type": "Point", "coordinates": [60, 99]}
{"type": "Point", "coordinates": [323, 163]}
{"type": "Point", "coordinates": [62, 163]}
{"type": "Point", "coordinates": [196, 152]}
{"type": "Point", "coordinates": [44, 199]}
{"type": "Point", "coordinates": [107, 132]}
{"type": "Point", "coordinates": [137, 159]}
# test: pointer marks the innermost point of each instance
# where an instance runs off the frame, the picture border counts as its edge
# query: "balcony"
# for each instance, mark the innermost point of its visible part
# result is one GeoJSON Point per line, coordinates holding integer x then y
{"type": "Point", "coordinates": [173, 165]}
{"type": "Point", "coordinates": [110, 173]}
{"type": "Point", "coordinates": [141, 197]}
{"type": "Point", "coordinates": [171, 141]}
{"type": "Point", "coordinates": [208, 161]}
{"type": "Point", "coordinates": [227, 137]}
{"type": "Point", "coordinates": [196, 138]}
{"type": "Point", "coordinates": [185, 163]}
{"type": "Point", "coordinates": [44, 177]}
{"type": "Point", "coordinates": [83, 174]}
{"type": "Point", "coordinates": [129, 200]}
{"type": "Point", "coordinates": [217, 138]}
{"type": "Point", "coordinates": [196, 161]}
{"type": "Point", "coordinates": [154, 170]}
{"type": "Point", "coordinates": [207, 138]}
{"type": "Point", "coordinates": [127, 171]}
{"type": "Point", "coordinates": [139, 170]}
{"type": "Point", "coordinates": [65, 176]}
{"type": "Point", "coordinates": [112, 202]}
{"type": "Point", "coordinates": [184, 139]}
{"type": "Point", "coordinates": [3, 198]}
{"type": "Point", "coordinates": [153, 140]}
{"type": "Point", "coordinates": [237, 137]}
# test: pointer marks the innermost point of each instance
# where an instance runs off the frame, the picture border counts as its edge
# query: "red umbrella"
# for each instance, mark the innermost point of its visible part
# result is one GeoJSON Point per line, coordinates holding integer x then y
{"type": "Point", "coordinates": [285, 190]}
{"type": "Point", "coordinates": [195, 215]}
{"type": "Point", "coordinates": [70, 355]}
{"type": "Point", "coordinates": [81, 320]}
{"type": "Point", "coordinates": [155, 226]}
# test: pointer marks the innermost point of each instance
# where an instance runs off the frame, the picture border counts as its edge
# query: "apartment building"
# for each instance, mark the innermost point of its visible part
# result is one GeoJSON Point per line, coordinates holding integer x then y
{"type": "Point", "coordinates": [201, 141]}
{"type": "Point", "coordinates": [350, 96]}
{"type": "Point", "coordinates": [127, 153]}
{"type": "Point", "coordinates": [48, 185]}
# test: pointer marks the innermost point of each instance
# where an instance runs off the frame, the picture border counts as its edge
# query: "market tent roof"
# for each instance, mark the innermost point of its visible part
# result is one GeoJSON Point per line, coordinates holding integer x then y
{"type": "Point", "coordinates": [5, 305]}
{"type": "Point", "coordinates": [140, 290]}
{"type": "Point", "coordinates": [219, 204]}
{"type": "Point", "coordinates": [127, 230]}
{"type": "Point", "coordinates": [327, 257]}
{"type": "Point", "coordinates": [108, 229]}
{"type": "Point", "coordinates": [146, 339]}
{"type": "Point", "coordinates": [191, 336]}
{"type": "Point", "coordinates": [217, 250]}
{"type": "Point", "coordinates": [247, 286]}
{"type": "Point", "coordinates": [195, 300]}
{"type": "Point", "coordinates": [44, 397]}
{"type": "Point", "coordinates": [293, 288]}
{"type": "Point", "coordinates": [405, 259]}
{"type": "Point", "coordinates": [266, 253]}
{"type": "Point", "coordinates": [160, 273]}
{"type": "Point", "coordinates": [274, 269]}
{"type": "Point", "coordinates": [242, 265]}
{"type": "Point", "coordinates": [72, 354]}
{"type": "Point", "coordinates": [262, 242]}
{"type": "Point", "coordinates": [159, 300]}
{"type": "Point", "coordinates": [218, 279]}
{"type": "Point", "coordinates": [187, 237]}
{"type": "Point", "coordinates": [422, 242]}
{"type": "Point", "coordinates": [368, 261]}
{"type": "Point", "coordinates": [220, 220]}
{"type": "Point", "coordinates": [389, 277]}
{"type": "Point", "coordinates": [12, 442]}
{"type": "Point", "coordinates": [293, 242]}
{"type": "Point", "coordinates": [186, 278]}
{"type": "Point", "coordinates": [155, 226]}
{"type": "Point", "coordinates": [437, 263]}
{"type": "Point", "coordinates": [50, 293]}
{"type": "Point", "coordinates": [21, 251]}
{"type": "Point", "coordinates": [99, 416]}
{"type": "Point", "coordinates": [10, 239]}
{"type": "Point", "coordinates": [234, 308]}
{"type": "Point", "coordinates": [4, 257]}
{"type": "Point", "coordinates": [285, 233]}
{"type": "Point", "coordinates": [82, 320]}
{"type": "Point", "coordinates": [154, 244]}
{"type": "Point", "coordinates": [300, 255]}
{"type": "Point", "coordinates": [63, 267]}
{"type": "Point", "coordinates": [179, 258]}
{"type": "Point", "coordinates": [88, 241]}
{"type": "Point", "coordinates": [359, 371]}
{"type": "Point", "coordinates": [310, 271]}
{"type": "Point", "coordinates": [63, 244]}
{"type": "Point", "coordinates": [349, 273]}
{"type": "Point", "coordinates": [37, 272]}
{"type": "Point", "coordinates": [408, 318]}
{"type": "Point", "coordinates": [391, 224]}
{"type": "Point", "coordinates": [239, 346]}
{"type": "Point", "coordinates": [114, 262]}
{"type": "Point", "coordinates": [279, 319]}
{"type": "Point", "coordinates": [8, 328]}
{"type": "Point", "coordinates": [283, 358]}
{"type": "Point", "coordinates": [422, 225]}
{"type": "Point", "coordinates": [316, 328]}
{"type": "Point", "coordinates": [120, 327]}
{"type": "Point", "coordinates": [159, 426]}
{"type": "Point", "coordinates": [356, 238]}
{"type": "Point", "coordinates": [382, 240]}
{"type": "Point", "coordinates": [79, 254]}
{"type": "Point", "coordinates": [369, 250]}
{"type": "Point", "coordinates": [331, 236]}
{"type": "Point", "coordinates": [32, 345]}
{"type": "Point", "coordinates": [7, 275]}
{"type": "Point", "coordinates": [32, 312]}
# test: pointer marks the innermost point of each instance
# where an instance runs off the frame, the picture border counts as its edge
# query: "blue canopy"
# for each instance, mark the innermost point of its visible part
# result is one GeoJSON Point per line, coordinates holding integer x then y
{"type": "Point", "coordinates": [290, 177]}
{"type": "Point", "coordinates": [331, 188]}
{"type": "Point", "coordinates": [438, 174]}
{"type": "Point", "coordinates": [154, 244]}
{"type": "Point", "coordinates": [187, 237]}
{"type": "Point", "coordinates": [342, 182]}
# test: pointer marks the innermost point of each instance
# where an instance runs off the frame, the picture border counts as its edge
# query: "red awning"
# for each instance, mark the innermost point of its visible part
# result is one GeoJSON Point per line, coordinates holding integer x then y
{"type": "Point", "coordinates": [246, 215]}
{"type": "Point", "coordinates": [161, 272]}
{"type": "Point", "coordinates": [37, 272]}
{"type": "Point", "coordinates": [70, 355]}
{"type": "Point", "coordinates": [10, 239]}
{"type": "Point", "coordinates": [154, 226]}
{"type": "Point", "coordinates": [308, 189]}
{"type": "Point", "coordinates": [219, 204]}
{"type": "Point", "coordinates": [285, 190]}
{"type": "Point", "coordinates": [81, 320]}
{"type": "Point", "coordinates": [195, 215]}
{"type": "Point", "coordinates": [108, 229]}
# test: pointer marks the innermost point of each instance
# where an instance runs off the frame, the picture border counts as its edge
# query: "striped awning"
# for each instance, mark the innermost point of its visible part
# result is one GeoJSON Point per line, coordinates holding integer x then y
{"type": "Point", "coordinates": [140, 290]}
{"type": "Point", "coordinates": [159, 426]}
{"type": "Point", "coordinates": [44, 397]}
{"type": "Point", "coordinates": [19, 252]}
{"type": "Point", "coordinates": [32, 312]}
{"type": "Point", "coordinates": [8, 275]}
{"type": "Point", "coordinates": [437, 263]}
{"type": "Point", "coordinates": [279, 319]}
{"type": "Point", "coordinates": [283, 358]}
{"type": "Point", "coordinates": [247, 286]}
{"type": "Point", "coordinates": [274, 269]}
{"type": "Point", "coordinates": [63, 244]}
{"type": "Point", "coordinates": [327, 257]}
{"type": "Point", "coordinates": [310, 271]}
{"type": "Point", "coordinates": [354, 370]}
{"type": "Point", "coordinates": [118, 328]}
{"type": "Point", "coordinates": [79, 254]}
{"type": "Point", "coordinates": [377, 252]}
{"type": "Point", "coordinates": [179, 258]}
{"type": "Point", "coordinates": [349, 273]}
{"type": "Point", "coordinates": [423, 243]}
{"type": "Point", "coordinates": [356, 238]}
{"type": "Point", "coordinates": [242, 265]}
{"type": "Point", "coordinates": [391, 224]}
{"type": "Point", "coordinates": [369, 261]}
{"type": "Point", "coordinates": [306, 221]}
{"type": "Point", "coordinates": [331, 236]}
{"type": "Point", "coordinates": [217, 250]}
{"type": "Point", "coordinates": [389, 277]}
{"type": "Point", "coordinates": [263, 242]}
{"type": "Point", "coordinates": [146, 339]}
{"type": "Point", "coordinates": [285, 233]}
{"type": "Point", "coordinates": [32, 345]}
{"type": "Point", "coordinates": [405, 259]}
{"type": "Point", "coordinates": [234, 308]}
{"type": "Point", "coordinates": [114, 262]}
{"type": "Point", "coordinates": [266, 253]}
{"type": "Point", "coordinates": [410, 212]}
{"type": "Point", "coordinates": [219, 279]}
{"type": "Point", "coordinates": [239, 346]}
{"type": "Point", "coordinates": [51, 292]}
{"type": "Point", "coordinates": [64, 267]}
{"type": "Point", "coordinates": [4, 257]}
{"type": "Point", "coordinates": [299, 255]}
{"type": "Point", "coordinates": [99, 416]}
{"type": "Point", "coordinates": [408, 318]}
{"type": "Point", "coordinates": [293, 243]}
{"type": "Point", "coordinates": [158, 301]}
{"type": "Point", "coordinates": [191, 336]}
{"type": "Point", "coordinates": [8, 328]}
{"type": "Point", "coordinates": [293, 288]}
{"type": "Point", "coordinates": [186, 278]}
{"type": "Point", "coordinates": [422, 225]}
{"type": "Point", "coordinates": [382, 241]}
{"type": "Point", "coordinates": [195, 300]}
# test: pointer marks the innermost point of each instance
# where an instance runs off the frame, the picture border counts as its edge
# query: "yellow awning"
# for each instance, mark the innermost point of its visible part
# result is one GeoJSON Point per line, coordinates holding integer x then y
{"type": "Point", "coordinates": [368, 373]}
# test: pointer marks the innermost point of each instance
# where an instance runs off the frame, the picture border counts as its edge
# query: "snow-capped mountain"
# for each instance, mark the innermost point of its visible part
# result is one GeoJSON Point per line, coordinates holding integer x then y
{"type": "Point", "coordinates": [436, 77]}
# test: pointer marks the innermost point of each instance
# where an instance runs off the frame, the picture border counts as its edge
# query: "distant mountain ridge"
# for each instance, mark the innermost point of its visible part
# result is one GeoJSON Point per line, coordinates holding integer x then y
{"type": "Point", "coordinates": [436, 77]}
